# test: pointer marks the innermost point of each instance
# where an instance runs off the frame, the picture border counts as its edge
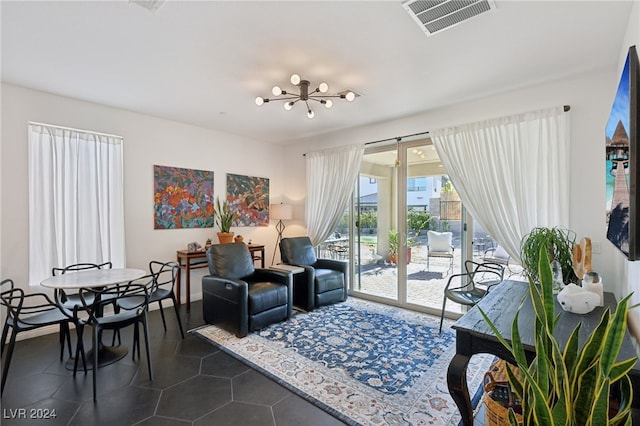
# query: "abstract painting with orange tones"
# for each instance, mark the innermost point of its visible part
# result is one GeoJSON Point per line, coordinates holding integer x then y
{"type": "Point", "coordinates": [183, 198]}
{"type": "Point", "coordinates": [249, 197]}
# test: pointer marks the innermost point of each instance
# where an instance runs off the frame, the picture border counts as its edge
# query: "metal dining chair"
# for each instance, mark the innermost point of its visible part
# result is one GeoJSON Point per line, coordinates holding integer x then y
{"type": "Point", "coordinates": [470, 287]}
{"type": "Point", "coordinates": [27, 312]}
{"type": "Point", "coordinates": [132, 299]}
{"type": "Point", "coordinates": [69, 300]}
{"type": "Point", "coordinates": [165, 274]}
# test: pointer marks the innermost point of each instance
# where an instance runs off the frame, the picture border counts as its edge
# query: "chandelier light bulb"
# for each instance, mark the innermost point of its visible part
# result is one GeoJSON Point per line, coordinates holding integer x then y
{"type": "Point", "coordinates": [307, 94]}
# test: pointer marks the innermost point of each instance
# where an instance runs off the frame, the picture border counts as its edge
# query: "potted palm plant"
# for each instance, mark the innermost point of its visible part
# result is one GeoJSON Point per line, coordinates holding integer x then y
{"type": "Point", "coordinates": [224, 219]}
{"type": "Point", "coordinates": [570, 385]}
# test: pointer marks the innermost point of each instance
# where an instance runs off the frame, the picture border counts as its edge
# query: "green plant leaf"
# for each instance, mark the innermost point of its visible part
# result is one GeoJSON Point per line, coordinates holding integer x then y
{"type": "Point", "coordinates": [585, 393]}
{"type": "Point", "coordinates": [600, 410]}
{"type": "Point", "coordinates": [570, 354]}
{"type": "Point", "coordinates": [620, 369]}
{"type": "Point", "coordinates": [593, 346]}
{"type": "Point", "coordinates": [615, 336]}
{"type": "Point", "coordinates": [625, 400]}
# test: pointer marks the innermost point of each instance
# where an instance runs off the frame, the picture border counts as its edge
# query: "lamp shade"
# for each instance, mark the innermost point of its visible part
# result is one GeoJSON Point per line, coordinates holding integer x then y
{"type": "Point", "coordinates": [280, 212]}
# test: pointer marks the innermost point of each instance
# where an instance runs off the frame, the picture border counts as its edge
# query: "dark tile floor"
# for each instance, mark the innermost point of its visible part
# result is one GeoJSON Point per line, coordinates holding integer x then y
{"type": "Point", "coordinates": [193, 384]}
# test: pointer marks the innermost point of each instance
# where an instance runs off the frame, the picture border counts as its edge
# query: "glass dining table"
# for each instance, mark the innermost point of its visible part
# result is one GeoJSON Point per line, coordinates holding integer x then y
{"type": "Point", "coordinates": [95, 278]}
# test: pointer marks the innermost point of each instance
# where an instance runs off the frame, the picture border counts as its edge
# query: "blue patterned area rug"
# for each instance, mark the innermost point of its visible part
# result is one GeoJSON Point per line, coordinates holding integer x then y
{"type": "Point", "coordinates": [364, 362]}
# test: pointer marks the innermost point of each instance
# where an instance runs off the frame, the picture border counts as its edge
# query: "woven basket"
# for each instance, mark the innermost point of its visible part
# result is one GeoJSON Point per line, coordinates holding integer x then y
{"type": "Point", "coordinates": [495, 413]}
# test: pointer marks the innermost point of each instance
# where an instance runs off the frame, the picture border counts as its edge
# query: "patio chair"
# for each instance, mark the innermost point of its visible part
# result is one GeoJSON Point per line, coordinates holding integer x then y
{"type": "Point", "coordinates": [498, 255]}
{"type": "Point", "coordinates": [440, 245]}
{"type": "Point", "coordinates": [473, 285]}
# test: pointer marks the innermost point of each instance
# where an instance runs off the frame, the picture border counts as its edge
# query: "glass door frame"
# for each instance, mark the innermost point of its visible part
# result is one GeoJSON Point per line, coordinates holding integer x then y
{"type": "Point", "coordinates": [399, 221]}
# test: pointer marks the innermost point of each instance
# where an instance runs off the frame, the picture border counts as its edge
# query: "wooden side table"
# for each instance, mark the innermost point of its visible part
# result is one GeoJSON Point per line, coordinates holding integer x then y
{"type": "Point", "coordinates": [189, 260]}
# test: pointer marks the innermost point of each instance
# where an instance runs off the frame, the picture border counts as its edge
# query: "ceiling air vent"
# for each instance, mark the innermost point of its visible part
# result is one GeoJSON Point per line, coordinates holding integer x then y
{"type": "Point", "coordinates": [437, 15]}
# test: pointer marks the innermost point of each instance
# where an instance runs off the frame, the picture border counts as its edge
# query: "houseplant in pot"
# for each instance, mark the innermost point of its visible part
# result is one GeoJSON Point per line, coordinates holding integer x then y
{"type": "Point", "coordinates": [394, 245]}
{"type": "Point", "coordinates": [224, 218]}
{"type": "Point", "coordinates": [558, 243]}
{"type": "Point", "coordinates": [570, 385]}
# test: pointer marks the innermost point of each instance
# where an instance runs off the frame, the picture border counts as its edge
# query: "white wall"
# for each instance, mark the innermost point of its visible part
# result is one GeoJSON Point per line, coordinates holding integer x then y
{"type": "Point", "coordinates": [590, 97]}
{"type": "Point", "coordinates": [147, 141]}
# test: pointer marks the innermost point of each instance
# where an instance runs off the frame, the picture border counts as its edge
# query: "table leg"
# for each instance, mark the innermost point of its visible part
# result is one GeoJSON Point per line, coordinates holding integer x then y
{"type": "Point", "coordinates": [106, 355]}
{"type": "Point", "coordinates": [457, 384]}
{"type": "Point", "coordinates": [187, 289]}
{"type": "Point", "coordinates": [177, 289]}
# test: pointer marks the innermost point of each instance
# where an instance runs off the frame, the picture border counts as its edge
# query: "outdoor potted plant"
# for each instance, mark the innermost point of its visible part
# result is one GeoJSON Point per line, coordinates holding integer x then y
{"type": "Point", "coordinates": [394, 245]}
{"type": "Point", "coordinates": [559, 246]}
{"type": "Point", "coordinates": [570, 385]}
{"type": "Point", "coordinates": [224, 218]}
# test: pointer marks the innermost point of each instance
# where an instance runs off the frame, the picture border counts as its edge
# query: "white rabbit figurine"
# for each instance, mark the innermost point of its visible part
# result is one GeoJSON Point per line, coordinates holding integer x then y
{"type": "Point", "coordinates": [575, 299]}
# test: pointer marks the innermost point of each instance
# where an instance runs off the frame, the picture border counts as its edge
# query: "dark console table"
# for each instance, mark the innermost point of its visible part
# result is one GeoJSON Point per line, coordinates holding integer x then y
{"type": "Point", "coordinates": [473, 336]}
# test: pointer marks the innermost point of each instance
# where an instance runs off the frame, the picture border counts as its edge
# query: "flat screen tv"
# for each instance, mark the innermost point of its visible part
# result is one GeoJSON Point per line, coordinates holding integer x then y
{"type": "Point", "coordinates": [622, 175]}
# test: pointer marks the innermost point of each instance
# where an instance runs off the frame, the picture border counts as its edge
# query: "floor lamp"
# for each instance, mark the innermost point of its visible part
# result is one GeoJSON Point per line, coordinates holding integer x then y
{"type": "Point", "coordinates": [279, 212]}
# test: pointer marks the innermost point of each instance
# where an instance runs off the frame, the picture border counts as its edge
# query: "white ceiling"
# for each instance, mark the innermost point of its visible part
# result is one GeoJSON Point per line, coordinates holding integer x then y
{"type": "Point", "coordinates": [204, 62]}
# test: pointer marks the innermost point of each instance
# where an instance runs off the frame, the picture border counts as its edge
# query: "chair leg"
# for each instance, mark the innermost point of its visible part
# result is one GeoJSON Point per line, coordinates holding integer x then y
{"type": "Point", "coordinates": [7, 358]}
{"type": "Point", "coordinates": [95, 346]}
{"type": "Point", "coordinates": [136, 342]}
{"type": "Point", "coordinates": [164, 323]}
{"type": "Point", "coordinates": [146, 343]}
{"type": "Point", "coordinates": [5, 332]}
{"type": "Point", "coordinates": [444, 303]}
{"type": "Point", "coordinates": [65, 336]}
{"type": "Point", "coordinates": [175, 308]}
{"type": "Point", "coordinates": [79, 350]}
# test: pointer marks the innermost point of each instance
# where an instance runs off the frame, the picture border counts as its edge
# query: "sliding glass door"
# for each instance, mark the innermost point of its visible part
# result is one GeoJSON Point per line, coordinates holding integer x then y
{"type": "Point", "coordinates": [404, 193]}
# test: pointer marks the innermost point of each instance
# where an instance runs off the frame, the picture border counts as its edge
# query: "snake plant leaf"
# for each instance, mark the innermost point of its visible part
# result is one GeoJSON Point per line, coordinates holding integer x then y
{"type": "Point", "coordinates": [517, 349]}
{"type": "Point", "coordinates": [542, 370]}
{"type": "Point", "coordinates": [546, 277]}
{"type": "Point", "coordinates": [615, 336]}
{"type": "Point", "coordinates": [620, 369]}
{"type": "Point", "coordinates": [625, 400]}
{"type": "Point", "coordinates": [570, 354]}
{"type": "Point", "coordinates": [513, 420]}
{"type": "Point", "coordinates": [516, 386]}
{"type": "Point", "coordinates": [585, 392]}
{"type": "Point", "coordinates": [495, 331]}
{"type": "Point", "coordinates": [593, 346]}
{"type": "Point", "coordinates": [600, 410]}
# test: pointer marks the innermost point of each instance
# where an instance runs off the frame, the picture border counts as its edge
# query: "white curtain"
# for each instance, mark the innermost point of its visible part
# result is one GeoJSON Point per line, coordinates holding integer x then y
{"type": "Point", "coordinates": [512, 173]}
{"type": "Point", "coordinates": [331, 177]}
{"type": "Point", "coordinates": [76, 203]}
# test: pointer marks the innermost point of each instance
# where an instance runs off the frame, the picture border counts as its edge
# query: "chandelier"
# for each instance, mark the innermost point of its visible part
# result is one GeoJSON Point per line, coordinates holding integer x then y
{"type": "Point", "coordinates": [305, 95]}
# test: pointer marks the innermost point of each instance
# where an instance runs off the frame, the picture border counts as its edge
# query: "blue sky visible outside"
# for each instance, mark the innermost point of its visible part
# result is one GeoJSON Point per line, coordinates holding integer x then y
{"type": "Point", "coordinates": [619, 112]}
{"type": "Point", "coordinates": [620, 108]}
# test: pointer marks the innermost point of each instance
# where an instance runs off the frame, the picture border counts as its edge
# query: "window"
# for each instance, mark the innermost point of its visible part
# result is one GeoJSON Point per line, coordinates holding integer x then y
{"type": "Point", "coordinates": [76, 202]}
{"type": "Point", "coordinates": [417, 184]}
